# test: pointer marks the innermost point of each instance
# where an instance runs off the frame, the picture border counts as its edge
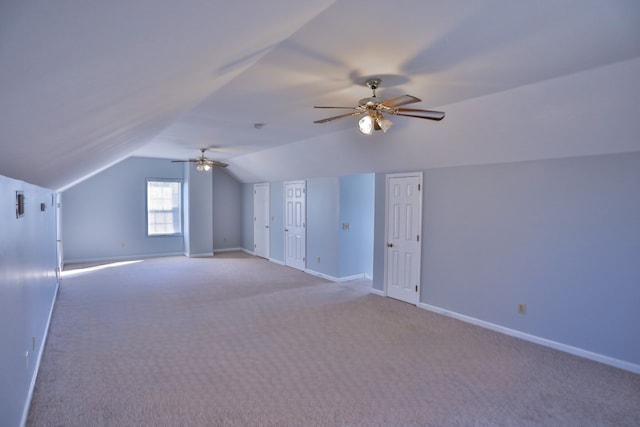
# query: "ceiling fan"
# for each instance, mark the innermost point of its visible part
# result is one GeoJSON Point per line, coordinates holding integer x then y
{"type": "Point", "coordinates": [373, 107]}
{"type": "Point", "coordinates": [202, 163]}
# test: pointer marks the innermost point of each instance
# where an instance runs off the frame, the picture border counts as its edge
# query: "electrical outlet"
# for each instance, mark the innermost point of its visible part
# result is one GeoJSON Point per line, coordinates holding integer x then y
{"type": "Point", "coordinates": [522, 308]}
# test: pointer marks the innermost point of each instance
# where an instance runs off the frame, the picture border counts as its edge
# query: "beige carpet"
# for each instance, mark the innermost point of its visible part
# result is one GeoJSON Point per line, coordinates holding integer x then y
{"type": "Point", "coordinates": [235, 340]}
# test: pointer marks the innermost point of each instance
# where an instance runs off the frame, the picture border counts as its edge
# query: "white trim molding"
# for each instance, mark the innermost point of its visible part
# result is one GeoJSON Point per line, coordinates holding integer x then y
{"type": "Point", "coordinates": [352, 277]}
{"type": "Point", "coordinates": [627, 366]}
{"type": "Point", "coordinates": [336, 279]}
{"type": "Point", "coordinates": [232, 250]}
{"type": "Point", "coordinates": [122, 258]}
{"type": "Point", "coordinates": [321, 275]}
{"type": "Point", "coordinates": [202, 255]}
{"type": "Point", "coordinates": [36, 369]}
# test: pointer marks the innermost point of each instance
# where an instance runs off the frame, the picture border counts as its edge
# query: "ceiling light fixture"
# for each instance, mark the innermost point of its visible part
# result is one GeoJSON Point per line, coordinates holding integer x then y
{"type": "Point", "coordinates": [203, 167]}
{"type": "Point", "coordinates": [365, 125]}
{"type": "Point", "coordinates": [383, 122]}
{"type": "Point", "coordinates": [203, 164]}
{"type": "Point", "coordinates": [371, 110]}
{"type": "Point", "coordinates": [373, 121]}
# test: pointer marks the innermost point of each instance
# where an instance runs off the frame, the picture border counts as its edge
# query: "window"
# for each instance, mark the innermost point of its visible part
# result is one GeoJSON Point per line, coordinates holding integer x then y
{"type": "Point", "coordinates": [164, 207]}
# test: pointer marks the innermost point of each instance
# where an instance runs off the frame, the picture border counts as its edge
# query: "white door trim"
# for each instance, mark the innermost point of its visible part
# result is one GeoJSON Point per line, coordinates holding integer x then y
{"type": "Point", "coordinates": [261, 215]}
{"type": "Point", "coordinates": [296, 234]}
{"type": "Point", "coordinates": [418, 228]}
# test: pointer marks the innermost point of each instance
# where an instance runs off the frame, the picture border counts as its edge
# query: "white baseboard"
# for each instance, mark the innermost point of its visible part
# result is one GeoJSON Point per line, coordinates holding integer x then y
{"type": "Point", "coordinates": [378, 292]}
{"type": "Point", "coordinates": [232, 250]}
{"type": "Point", "coordinates": [627, 366]}
{"type": "Point", "coordinates": [277, 261]}
{"type": "Point", "coordinates": [352, 277]}
{"type": "Point", "coordinates": [333, 278]}
{"type": "Point", "coordinates": [201, 255]}
{"type": "Point", "coordinates": [36, 369]}
{"type": "Point", "coordinates": [317, 274]}
{"type": "Point", "coordinates": [121, 258]}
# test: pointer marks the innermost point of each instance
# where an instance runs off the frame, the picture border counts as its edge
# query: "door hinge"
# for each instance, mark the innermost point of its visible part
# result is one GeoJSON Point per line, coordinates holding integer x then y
{"type": "Point", "coordinates": [418, 237]}
{"type": "Point", "coordinates": [419, 186]}
{"type": "Point", "coordinates": [416, 288]}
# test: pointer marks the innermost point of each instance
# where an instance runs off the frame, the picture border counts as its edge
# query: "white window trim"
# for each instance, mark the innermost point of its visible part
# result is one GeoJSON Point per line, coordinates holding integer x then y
{"type": "Point", "coordinates": [180, 207]}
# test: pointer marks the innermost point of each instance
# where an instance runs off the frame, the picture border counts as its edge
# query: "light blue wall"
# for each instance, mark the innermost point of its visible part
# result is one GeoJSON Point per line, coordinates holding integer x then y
{"type": "Point", "coordinates": [247, 217]}
{"type": "Point", "coordinates": [322, 225]}
{"type": "Point", "coordinates": [227, 211]}
{"type": "Point", "coordinates": [198, 212]}
{"type": "Point", "coordinates": [104, 217]}
{"type": "Point", "coordinates": [357, 196]}
{"type": "Point", "coordinates": [108, 210]}
{"type": "Point", "coordinates": [561, 236]}
{"type": "Point", "coordinates": [28, 284]}
{"type": "Point", "coordinates": [330, 202]}
{"type": "Point", "coordinates": [379, 244]}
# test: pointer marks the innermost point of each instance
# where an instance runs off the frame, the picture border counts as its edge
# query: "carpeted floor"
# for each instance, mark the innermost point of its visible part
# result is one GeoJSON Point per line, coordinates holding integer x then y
{"type": "Point", "coordinates": [235, 340]}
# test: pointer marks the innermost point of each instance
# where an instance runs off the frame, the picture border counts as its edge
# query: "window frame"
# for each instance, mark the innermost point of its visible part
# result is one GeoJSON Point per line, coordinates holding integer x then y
{"type": "Point", "coordinates": [180, 207]}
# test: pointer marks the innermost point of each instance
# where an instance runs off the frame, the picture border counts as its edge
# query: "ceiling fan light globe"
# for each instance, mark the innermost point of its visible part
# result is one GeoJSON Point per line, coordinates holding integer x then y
{"type": "Point", "coordinates": [206, 167]}
{"type": "Point", "coordinates": [384, 123]}
{"type": "Point", "coordinates": [365, 125]}
{"type": "Point", "coordinates": [199, 167]}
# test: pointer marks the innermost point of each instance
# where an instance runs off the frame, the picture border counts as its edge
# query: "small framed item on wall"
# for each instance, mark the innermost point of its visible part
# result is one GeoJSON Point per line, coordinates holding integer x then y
{"type": "Point", "coordinates": [19, 204]}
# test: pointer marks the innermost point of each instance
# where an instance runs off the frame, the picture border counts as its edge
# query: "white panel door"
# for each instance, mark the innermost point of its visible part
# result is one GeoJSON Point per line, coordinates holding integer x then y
{"type": "Point", "coordinates": [404, 223]}
{"type": "Point", "coordinates": [295, 224]}
{"type": "Point", "coordinates": [261, 235]}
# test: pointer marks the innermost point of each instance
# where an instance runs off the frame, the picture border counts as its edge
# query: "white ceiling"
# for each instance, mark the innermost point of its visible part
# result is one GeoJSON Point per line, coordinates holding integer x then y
{"type": "Point", "coordinates": [85, 84]}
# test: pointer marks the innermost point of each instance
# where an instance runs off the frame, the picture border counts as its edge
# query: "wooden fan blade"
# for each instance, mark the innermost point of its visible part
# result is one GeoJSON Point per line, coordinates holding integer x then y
{"type": "Point", "coordinates": [355, 113]}
{"type": "Point", "coordinates": [400, 100]}
{"type": "Point", "coordinates": [344, 108]}
{"type": "Point", "coordinates": [420, 114]}
{"type": "Point", "coordinates": [217, 163]}
{"type": "Point", "coordinates": [180, 161]}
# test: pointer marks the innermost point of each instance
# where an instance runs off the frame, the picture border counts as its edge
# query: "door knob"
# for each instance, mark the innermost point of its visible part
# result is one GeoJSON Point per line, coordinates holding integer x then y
{"type": "Point", "coordinates": [286, 229]}
{"type": "Point", "coordinates": [389, 245]}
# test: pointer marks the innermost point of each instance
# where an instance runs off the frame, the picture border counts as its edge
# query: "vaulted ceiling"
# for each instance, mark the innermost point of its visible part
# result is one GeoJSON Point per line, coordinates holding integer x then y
{"type": "Point", "coordinates": [84, 85]}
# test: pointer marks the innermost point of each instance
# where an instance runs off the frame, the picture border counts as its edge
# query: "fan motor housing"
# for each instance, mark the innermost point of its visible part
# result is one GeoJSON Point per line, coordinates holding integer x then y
{"type": "Point", "coordinates": [364, 101]}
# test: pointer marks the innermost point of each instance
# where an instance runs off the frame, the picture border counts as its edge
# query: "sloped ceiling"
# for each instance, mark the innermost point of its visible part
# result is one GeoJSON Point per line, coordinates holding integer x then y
{"type": "Point", "coordinates": [84, 85]}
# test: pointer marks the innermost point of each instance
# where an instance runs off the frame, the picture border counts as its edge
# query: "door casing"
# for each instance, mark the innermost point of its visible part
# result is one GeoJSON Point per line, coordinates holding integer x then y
{"type": "Point", "coordinates": [295, 226]}
{"type": "Point", "coordinates": [261, 215]}
{"type": "Point", "coordinates": [403, 240]}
